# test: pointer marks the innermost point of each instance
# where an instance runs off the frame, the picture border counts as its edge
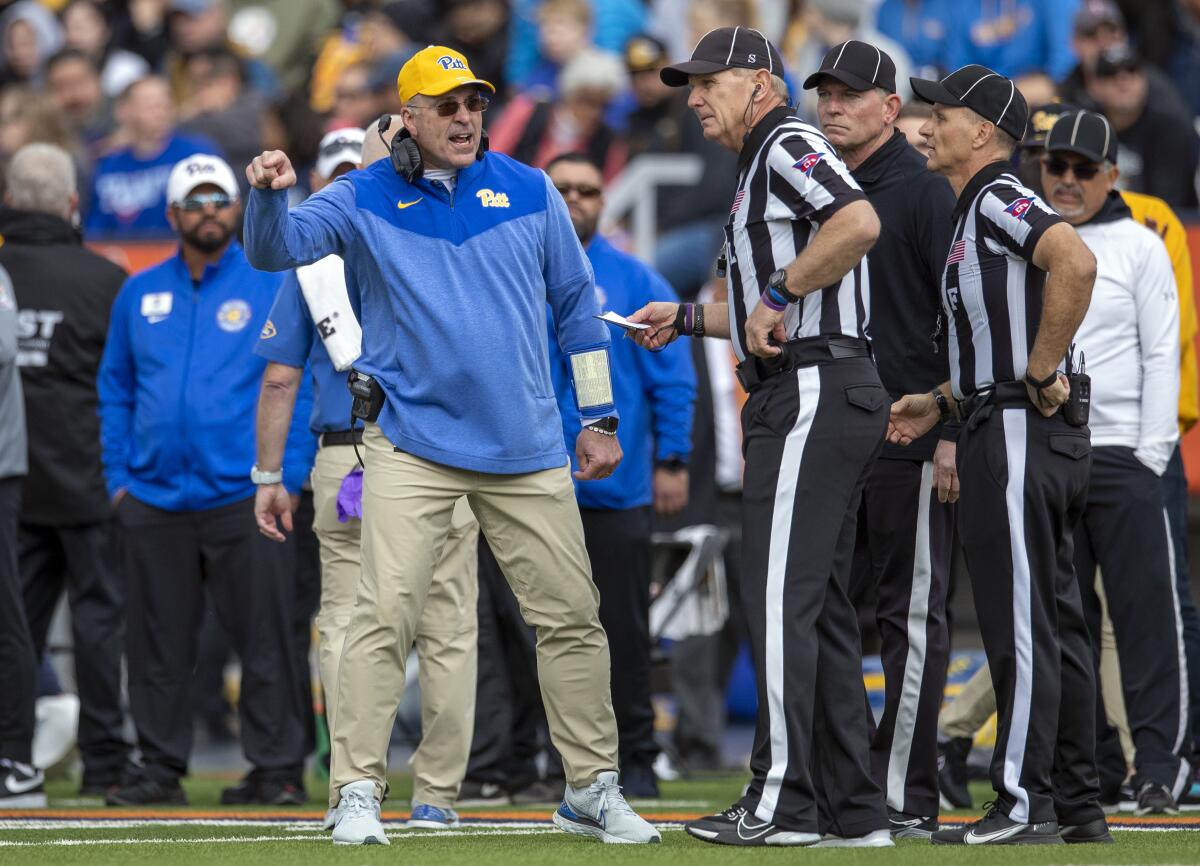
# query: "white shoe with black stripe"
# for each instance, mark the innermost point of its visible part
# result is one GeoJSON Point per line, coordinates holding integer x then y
{"type": "Point", "coordinates": [600, 811]}
{"type": "Point", "coordinates": [736, 826]}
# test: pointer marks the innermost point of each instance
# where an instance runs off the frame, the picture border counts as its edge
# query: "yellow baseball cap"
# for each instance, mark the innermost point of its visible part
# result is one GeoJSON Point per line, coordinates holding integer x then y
{"type": "Point", "coordinates": [435, 70]}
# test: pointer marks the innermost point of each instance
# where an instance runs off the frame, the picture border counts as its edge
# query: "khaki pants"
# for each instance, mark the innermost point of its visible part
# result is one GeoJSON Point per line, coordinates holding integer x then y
{"type": "Point", "coordinates": [531, 522]}
{"type": "Point", "coordinates": [445, 635]}
{"type": "Point", "coordinates": [968, 712]}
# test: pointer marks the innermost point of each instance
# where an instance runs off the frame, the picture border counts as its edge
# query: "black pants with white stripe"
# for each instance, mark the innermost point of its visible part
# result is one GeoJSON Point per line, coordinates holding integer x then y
{"type": "Point", "coordinates": [1024, 486]}
{"type": "Point", "coordinates": [903, 550]}
{"type": "Point", "coordinates": [1124, 532]}
{"type": "Point", "coordinates": [810, 437]}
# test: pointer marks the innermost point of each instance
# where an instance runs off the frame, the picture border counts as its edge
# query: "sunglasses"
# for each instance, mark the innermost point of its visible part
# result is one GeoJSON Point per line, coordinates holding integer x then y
{"type": "Point", "coordinates": [449, 107]}
{"type": "Point", "coordinates": [1081, 170]}
{"type": "Point", "coordinates": [581, 190]}
{"type": "Point", "coordinates": [219, 200]}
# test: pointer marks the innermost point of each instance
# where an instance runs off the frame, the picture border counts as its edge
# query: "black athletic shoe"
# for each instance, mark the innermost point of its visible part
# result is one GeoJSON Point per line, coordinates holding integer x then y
{"type": "Point", "coordinates": [638, 781]}
{"type": "Point", "coordinates": [912, 826]}
{"type": "Point", "coordinates": [144, 791]}
{"type": "Point", "coordinates": [541, 791]}
{"type": "Point", "coordinates": [996, 828]}
{"type": "Point", "coordinates": [481, 794]}
{"type": "Point", "coordinates": [1153, 799]}
{"type": "Point", "coordinates": [22, 786]}
{"type": "Point", "coordinates": [1092, 833]}
{"type": "Point", "coordinates": [953, 776]}
{"type": "Point", "coordinates": [735, 826]}
{"type": "Point", "coordinates": [263, 790]}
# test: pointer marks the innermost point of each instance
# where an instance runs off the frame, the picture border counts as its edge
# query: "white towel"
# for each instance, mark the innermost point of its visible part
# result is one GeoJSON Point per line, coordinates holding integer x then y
{"type": "Point", "coordinates": [323, 284]}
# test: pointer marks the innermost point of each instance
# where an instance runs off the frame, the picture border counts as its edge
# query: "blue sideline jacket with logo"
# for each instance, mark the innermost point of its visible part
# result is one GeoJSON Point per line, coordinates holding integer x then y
{"type": "Point", "coordinates": [453, 290]}
{"type": "Point", "coordinates": [654, 391]}
{"type": "Point", "coordinates": [179, 386]}
{"type": "Point", "coordinates": [290, 337]}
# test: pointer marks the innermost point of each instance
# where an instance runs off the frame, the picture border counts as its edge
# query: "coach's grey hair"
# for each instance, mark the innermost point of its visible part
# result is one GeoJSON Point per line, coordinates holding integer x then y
{"type": "Point", "coordinates": [593, 69]}
{"type": "Point", "coordinates": [41, 178]}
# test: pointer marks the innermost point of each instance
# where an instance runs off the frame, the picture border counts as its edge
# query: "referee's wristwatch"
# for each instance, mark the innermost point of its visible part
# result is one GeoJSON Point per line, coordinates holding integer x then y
{"type": "Point", "coordinates": [606, 426]}
{"type": "Point", "coordinates": [778, 282]}
{"type": "Point", "coordinates": [260, 477]}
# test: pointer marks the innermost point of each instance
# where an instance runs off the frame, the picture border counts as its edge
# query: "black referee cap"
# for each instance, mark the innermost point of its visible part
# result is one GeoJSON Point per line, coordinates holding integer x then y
{"type": "Point", "coordinates": [1042, 119]}
{"type": "Point", "coordinates": [858, 65]}
{"type": "Point", "coordinates": [1084, 133]}
{"type": "Point", "coordinates": [989, 94]}
{"type": "Point", "coordinates": [726, 48]}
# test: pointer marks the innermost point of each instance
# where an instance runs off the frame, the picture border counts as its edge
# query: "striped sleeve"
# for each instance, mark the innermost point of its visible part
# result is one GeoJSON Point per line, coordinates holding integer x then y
{"type": "Point", "coordinates": [807, 175]}
{"type": "Point", "coordinates": [1016, 218]}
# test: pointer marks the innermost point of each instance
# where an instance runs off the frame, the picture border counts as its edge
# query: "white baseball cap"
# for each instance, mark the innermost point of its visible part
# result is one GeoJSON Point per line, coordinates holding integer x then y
{"type": "Point", "coordinates": [197, 170]}
{"type": "Point", "coordinates": [339, 147]}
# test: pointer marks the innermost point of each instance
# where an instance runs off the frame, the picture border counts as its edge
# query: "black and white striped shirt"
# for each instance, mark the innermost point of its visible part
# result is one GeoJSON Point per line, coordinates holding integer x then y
{"type": "Point", "coordinates": [991, 291]}
{"type": "Point", "coordinates": [790, 180]}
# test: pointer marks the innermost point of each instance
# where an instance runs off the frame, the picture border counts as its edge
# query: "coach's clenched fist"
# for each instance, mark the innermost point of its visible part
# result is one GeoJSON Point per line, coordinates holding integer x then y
{"type": "Point", "coordinates": [271, 170]}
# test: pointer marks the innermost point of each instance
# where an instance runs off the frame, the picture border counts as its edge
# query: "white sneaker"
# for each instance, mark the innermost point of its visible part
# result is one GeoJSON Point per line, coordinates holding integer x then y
{"type": "Point", "coordinates": [600, 811]}
{"type": "Point", "coordinates": [874, 839]}
{"type": "Point", "coordinates": [358, 823]}
{"type": "Point", "coordinates": [56, 729]}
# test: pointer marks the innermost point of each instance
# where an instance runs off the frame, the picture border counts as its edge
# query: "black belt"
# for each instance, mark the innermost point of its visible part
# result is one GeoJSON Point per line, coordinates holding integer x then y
{"type": "Point", "coordinates": [1002, 395]}
{"type": "Point", "coordinates": [799, 353]}
{"type": "Point", "coordinates": [342, 437]}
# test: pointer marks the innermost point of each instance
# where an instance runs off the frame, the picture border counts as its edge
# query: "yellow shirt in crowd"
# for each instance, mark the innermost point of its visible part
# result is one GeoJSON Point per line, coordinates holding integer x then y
{"type": "Point", "coordinates": [1156, 214]}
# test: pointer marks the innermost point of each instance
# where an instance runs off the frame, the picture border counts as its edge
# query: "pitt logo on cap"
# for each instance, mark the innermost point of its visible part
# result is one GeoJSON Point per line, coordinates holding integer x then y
{"type": "Point", "coordinates": [1019, 208]}
{"type": "Point", "coordinates": [447, 62]}
{"type": "Point", "coordinates": [807, 163]}
{"type": "Point", "coordinates": [487, 198]}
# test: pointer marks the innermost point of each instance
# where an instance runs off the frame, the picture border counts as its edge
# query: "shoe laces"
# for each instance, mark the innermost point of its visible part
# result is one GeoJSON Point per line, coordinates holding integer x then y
{"type": "Point", "coordinates": [733, 813]}
{"type": "Point", "coordinates": [356, 804]}
{"type": "Point", "coordinates": [611, 798]}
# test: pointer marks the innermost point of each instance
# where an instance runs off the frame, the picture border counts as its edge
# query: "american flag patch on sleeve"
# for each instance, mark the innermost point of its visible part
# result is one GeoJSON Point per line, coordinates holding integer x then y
{"type": "Point", "coordinates": [737, 201]}
{"type": "Point", "coordinates": [958, 252]}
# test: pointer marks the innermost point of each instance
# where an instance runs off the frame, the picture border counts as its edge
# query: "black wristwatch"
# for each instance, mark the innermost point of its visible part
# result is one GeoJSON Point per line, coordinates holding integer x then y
{"type": "Point", "coordinates": [778, 281]}
{"type": "Point", "coordinates": [671, 463]}
{"type": "Point", "coordinates": [606, 426]}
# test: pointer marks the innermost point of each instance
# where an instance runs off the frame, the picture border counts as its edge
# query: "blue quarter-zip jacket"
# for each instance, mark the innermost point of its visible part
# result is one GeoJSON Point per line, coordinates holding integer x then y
{"type": "Point", "coordinates": [453, 291]}
{"type": "Point", "coordinates": [654, 391]}
{"type": "Point", "coordinates": [179, 386]}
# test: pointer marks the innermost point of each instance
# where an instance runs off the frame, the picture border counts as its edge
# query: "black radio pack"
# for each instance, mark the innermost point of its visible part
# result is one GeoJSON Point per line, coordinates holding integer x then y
{"type": "Point", "coordinates": [1078, 407]}
{"type": "Point", "coordinates": [368, 396]}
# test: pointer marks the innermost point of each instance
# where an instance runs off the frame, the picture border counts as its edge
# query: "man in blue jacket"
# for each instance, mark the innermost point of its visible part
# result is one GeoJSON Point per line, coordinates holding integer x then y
{"type": "Point", "coordinates": [456, 253]}
{"type": "Point", "coordinates": [178, 386]}
{"type": "Point", "coordinates": [654, 393]}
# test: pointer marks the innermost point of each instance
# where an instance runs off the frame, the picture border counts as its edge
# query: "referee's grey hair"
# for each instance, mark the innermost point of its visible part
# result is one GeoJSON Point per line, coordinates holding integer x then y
{"type": "Point", "coordinates": [41, 178]}
{"type": "Point", "coordinates": [777, 84]}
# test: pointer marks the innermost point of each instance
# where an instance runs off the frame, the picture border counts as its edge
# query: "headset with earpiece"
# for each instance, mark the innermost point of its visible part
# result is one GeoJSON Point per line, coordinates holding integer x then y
{"type": "Point", "coordinates": [406, 156]}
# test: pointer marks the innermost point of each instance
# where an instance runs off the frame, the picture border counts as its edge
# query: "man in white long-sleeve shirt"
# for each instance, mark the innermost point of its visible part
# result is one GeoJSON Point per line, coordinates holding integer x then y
{"type": "Point", "coordinates": [1130, 338]}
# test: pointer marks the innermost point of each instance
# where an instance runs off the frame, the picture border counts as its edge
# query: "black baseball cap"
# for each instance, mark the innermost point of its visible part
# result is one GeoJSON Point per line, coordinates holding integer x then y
{"type": "Point", "coordinates": [1042, 120]}
{"type": "Point", "coordinates": [989, 94]}
{"type": "Point", "coordinates": [1117, 58]}
{"type": "Point", "coordinates": [858, 65]}
{"type": "Point", "coordinates": [726, 48]}
{"type": "Point", "coordinates": [1084, 133]}
{"type": "Point", "coordinates": [644, 53]}
{"type": "Point", "coordinates": [1095, 13]}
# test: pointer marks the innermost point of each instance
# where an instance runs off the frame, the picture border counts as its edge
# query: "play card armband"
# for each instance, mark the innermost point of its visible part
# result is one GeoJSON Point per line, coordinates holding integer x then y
{"type": "Point", "coordinates": [591, 374]}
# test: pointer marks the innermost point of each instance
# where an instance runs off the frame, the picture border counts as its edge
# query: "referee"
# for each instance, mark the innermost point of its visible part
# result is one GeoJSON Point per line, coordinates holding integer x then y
{"type": "Point", "coordinates": [1016, 285]}
{"type": "Point", "coordinates": [813, 425]}
{"type": "Point", "coordinates": [906, 521]}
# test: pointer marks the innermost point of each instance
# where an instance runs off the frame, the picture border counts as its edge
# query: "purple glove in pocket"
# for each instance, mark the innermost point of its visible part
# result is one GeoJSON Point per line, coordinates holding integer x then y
{"type": "Point", "coordinates": [349, 498]}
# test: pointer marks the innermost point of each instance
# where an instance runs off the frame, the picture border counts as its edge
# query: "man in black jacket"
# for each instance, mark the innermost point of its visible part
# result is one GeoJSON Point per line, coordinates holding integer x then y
{"type": "Point", "coordinates": [906, 520]}
{"type": "Point", "coordinates": [64, 293]}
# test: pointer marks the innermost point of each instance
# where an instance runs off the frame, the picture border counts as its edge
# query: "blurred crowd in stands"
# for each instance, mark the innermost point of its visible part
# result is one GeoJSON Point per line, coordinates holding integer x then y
{"type": "Point", "coordinates": [129, 87]}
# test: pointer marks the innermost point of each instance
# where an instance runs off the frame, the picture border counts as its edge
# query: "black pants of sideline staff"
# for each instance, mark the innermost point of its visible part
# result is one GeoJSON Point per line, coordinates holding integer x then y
{"type": "Point", "coordinates": [1024, 484]}
{"type": "Point", "coordinates": [1125, 532]}
{"type": "Point", "coordinates": [810, 438]}
{"type": "Point", "coordinates": [83, 561]}
{"type": "Point", "coordinates": [18, 665]}
{"type": "Point", "coordinates": [169, 556]}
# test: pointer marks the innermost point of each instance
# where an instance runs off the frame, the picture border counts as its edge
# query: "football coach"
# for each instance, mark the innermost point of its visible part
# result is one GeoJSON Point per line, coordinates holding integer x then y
{"type": "Point", "coordinates": [456, 253]}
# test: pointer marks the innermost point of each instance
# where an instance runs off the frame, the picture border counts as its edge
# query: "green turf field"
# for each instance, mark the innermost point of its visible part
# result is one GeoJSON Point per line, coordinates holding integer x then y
{"type": "Point", "coordinates": [75, 831]}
